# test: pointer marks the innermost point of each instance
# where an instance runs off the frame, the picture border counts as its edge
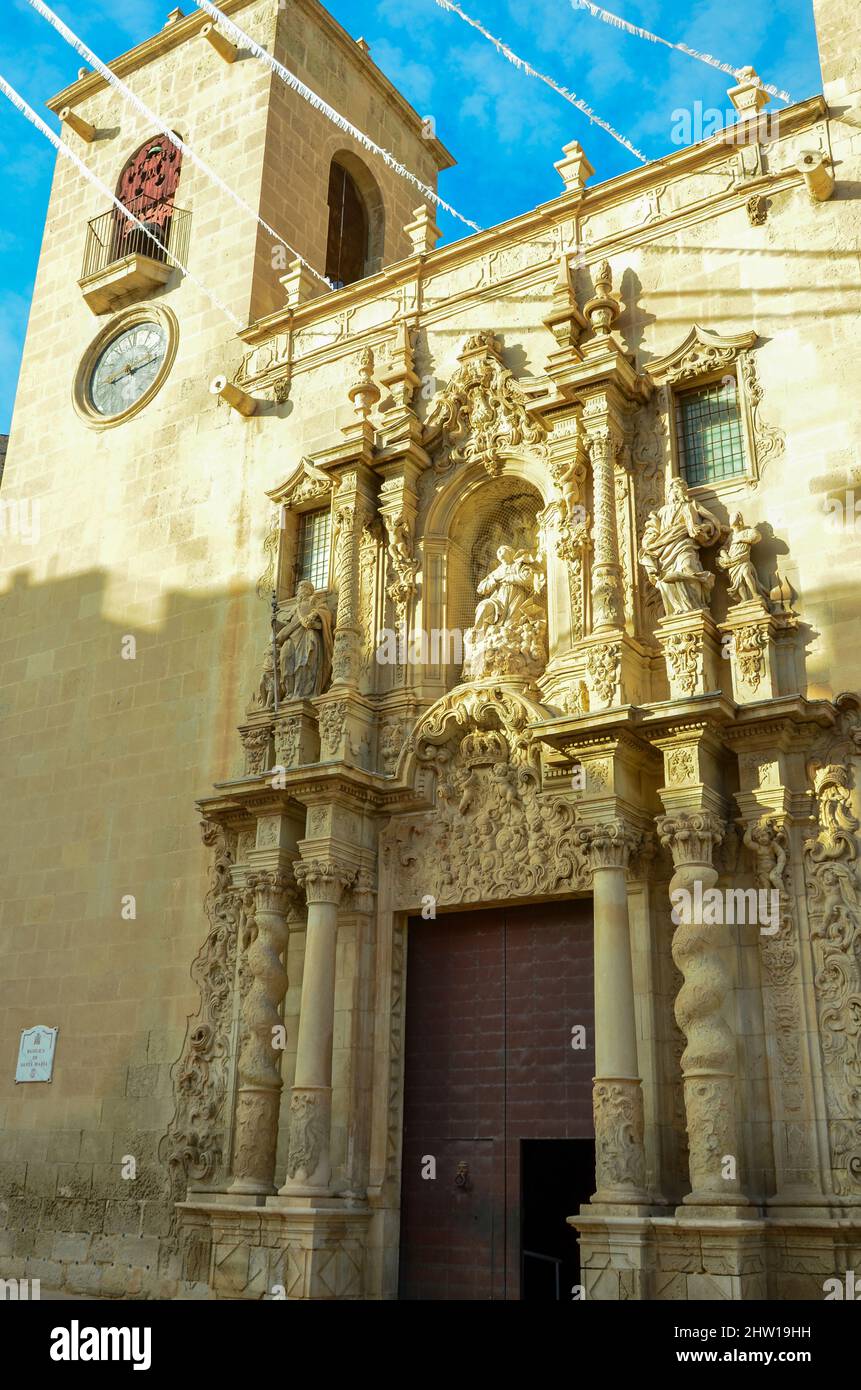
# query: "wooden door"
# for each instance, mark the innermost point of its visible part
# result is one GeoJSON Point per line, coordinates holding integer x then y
{"type": "Point", "coordinates": [492, 998]}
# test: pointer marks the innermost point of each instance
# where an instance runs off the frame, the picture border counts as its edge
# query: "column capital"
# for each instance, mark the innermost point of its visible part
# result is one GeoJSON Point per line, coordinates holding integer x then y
{"type": "Point", "coordinates": [609, 844]}
{"type": "Point", "coordinates": [323, 880]}
{"type": "Point", "coordinates": [691, 836]}
{"type": "Point", "coordinates": [273, 890]}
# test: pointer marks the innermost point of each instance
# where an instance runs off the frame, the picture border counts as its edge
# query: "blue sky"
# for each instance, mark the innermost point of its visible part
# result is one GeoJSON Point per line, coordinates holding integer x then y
{"type": "Point", "coordinates": [506, 129]}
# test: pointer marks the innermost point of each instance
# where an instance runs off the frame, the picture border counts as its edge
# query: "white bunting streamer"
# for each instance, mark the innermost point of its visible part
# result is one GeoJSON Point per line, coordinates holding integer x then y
{"type": "Point", "coordinates": [241, 39]}
{"type": "Point", "coordinates": [143, 110]}
{"type": "Point", "coordinates": [67, 153]}
{"type": "Point", "coordinates": [523, 66]}
{"type": "Point", "coordinates": [613, 19]}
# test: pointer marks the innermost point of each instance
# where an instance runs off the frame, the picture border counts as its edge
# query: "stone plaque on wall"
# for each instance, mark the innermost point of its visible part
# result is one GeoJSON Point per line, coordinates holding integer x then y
{"type": "Point", "coordinates": [36, 1054]}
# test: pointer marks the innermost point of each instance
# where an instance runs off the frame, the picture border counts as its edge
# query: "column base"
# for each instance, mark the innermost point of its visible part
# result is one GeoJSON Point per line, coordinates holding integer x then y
{"type": "Point", "coordinates": [241, 1188]}
{"type": "Point", "coordinates": [603, 1204]}
{"type": "Point", "coordinates": [277, 1252]}
{"type": "Point", "coordinates": [698, 1206]}
{"type": "Point", "coordinates": [300, 1191]}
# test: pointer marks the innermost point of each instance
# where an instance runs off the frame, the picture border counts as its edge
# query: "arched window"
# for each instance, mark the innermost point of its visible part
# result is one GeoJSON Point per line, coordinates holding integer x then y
{"type": "Point", "coordinates": [146, 187]}
{"type": "Point", "coordinates": [347, 244]}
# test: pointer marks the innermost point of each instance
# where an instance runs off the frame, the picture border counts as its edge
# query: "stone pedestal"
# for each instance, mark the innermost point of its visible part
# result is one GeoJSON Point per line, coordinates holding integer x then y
{"type": "Point", "coordinates": [256, 737]}
{"type": "Point", "coordinates": [664, 1258]}
{"type": "Point", "coordinates": [751, 631]}
{"type": "Point", "coordinates": [615, 671]}
{"type": "Point", "coordinates": [276, 1252]}
{"type": "Point", "coordinates": [691, 646]}
{"type": "Point", "coordinates": [295, 737]}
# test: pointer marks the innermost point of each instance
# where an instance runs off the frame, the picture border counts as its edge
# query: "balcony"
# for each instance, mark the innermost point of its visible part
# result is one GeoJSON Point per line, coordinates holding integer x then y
{"type": "Point", "coordinates": [121, 263]}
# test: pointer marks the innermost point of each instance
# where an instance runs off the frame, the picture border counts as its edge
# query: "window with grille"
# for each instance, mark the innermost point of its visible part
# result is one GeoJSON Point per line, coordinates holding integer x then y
{"type": "Point", "coordinates": [708, 433]}
{"type": "Point", "coordinates": [312, 548]}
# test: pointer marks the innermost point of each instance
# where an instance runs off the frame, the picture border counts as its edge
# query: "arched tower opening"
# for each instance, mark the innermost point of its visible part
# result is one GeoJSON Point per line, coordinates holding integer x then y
{"type": "Point", "coordinates": [354, 243]}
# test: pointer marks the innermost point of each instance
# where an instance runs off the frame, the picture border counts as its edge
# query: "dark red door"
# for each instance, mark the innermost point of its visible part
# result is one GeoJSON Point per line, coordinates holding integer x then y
{"type": "Point", "coordinates": [492, 998]}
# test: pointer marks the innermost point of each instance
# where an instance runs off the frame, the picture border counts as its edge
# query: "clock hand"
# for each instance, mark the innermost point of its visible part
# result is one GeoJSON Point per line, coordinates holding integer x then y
{"type": "Point", "coordinates": [128, 369]}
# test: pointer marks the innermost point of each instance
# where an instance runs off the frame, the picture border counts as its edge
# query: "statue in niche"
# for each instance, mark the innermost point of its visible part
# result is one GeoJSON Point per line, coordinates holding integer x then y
{"type": "Point", "coordinates": [514, 522]}
{"type": "Point", "coordinates": [735, 559]}
{"type": "Point", "coordinates": [508, 636]}
{"type": "Point", "coordinates": [304, 639]}
{"type": "Point", "coordinates": [669, 553]}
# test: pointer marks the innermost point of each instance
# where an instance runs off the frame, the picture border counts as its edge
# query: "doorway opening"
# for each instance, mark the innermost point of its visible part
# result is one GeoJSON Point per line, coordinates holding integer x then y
{"type": "Point", "coordinates": [557, 1176]}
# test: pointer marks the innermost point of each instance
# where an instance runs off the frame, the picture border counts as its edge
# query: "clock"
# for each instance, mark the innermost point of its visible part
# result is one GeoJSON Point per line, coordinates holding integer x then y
{"type": "Point", "coordinates": [125, 366]}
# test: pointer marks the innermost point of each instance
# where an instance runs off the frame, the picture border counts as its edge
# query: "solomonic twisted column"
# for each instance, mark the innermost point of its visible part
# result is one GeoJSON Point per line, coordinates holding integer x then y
{"type": "Point", "coordinates": [259, 1067]}
{"type": "Point", "coordinates": [709, 1059]}
{"type": "Point", "coordinates": [309, 1167]}
{"type": "Point", "coordinates": [607, 604]}
{"type": "Point", "coordinates": [617, 1096]}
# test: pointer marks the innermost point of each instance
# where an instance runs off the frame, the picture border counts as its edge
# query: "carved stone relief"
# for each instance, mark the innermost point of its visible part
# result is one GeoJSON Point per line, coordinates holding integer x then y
{"type": "Point", "coordinates": [493, 834]}
{"type": "Point", "coordinates": [481, 412]}
{"type": "Point", "coordinates": [834, 898]}
{"type": "Point", "coordinates": [196, 1141]}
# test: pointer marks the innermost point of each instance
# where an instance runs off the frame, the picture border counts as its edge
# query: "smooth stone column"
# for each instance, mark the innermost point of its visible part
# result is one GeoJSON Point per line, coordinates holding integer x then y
{"type": "Point", "coordinates": [617, 1096]}
{"type": "Point", "coordinates": [309, 1169]}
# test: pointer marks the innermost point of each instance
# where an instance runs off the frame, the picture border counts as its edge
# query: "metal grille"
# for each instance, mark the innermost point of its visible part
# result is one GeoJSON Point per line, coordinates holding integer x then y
{"type": "Point", "coordinates": [708, 431]}
{"type": "Point", "coordinates": [112, 237]}
{"type": "Point", "coordinates": [312, 548]}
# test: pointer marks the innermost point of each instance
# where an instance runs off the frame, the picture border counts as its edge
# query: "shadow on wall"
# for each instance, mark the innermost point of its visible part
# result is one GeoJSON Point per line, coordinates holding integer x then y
{"type": "Point", "coordinates": [105, 744]}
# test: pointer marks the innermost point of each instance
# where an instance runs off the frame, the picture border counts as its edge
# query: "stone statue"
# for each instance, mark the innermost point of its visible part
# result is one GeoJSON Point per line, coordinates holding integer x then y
{"type": "Point", "coordinates": [304, 638]}
{"type": "Point", "coordinates": [508, 633]}
{"type": "Point", "coordinates": [305, 643]}
{"type": "Point", "coordinates": [265, 697]}
{"type": "Point", "coordinates": [669, 553]}
{"type": "Point", "coordinates": [735, 559]}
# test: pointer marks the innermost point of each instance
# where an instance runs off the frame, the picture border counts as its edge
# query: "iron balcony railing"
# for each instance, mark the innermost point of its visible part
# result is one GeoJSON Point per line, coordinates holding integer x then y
{"type": "Point", "coordinates": [111, 237]}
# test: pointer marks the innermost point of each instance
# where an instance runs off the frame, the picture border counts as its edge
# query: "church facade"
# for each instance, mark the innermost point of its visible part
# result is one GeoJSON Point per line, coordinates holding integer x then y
{"type": "Point", "coordinates": [493, 620]}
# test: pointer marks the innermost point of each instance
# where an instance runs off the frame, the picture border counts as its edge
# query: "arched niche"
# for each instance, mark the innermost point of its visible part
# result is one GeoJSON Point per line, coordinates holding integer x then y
{"type": "Point", "coordinates": [466, 523]}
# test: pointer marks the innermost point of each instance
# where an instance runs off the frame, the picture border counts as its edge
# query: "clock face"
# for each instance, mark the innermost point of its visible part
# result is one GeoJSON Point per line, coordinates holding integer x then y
{"type": "Point", "coordinates": [127, 368]}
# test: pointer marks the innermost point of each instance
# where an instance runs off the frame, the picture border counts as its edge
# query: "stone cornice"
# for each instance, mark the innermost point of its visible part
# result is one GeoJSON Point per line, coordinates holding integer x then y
{"type": "Point", "coordinates": [189, 27]}
{"type": "Point", "coordinates": [149, 51]}
{"type": "Point", "coordinates": [529, 225]}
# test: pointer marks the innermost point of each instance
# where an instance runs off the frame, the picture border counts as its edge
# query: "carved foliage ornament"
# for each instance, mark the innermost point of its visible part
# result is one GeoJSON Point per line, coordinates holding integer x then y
{"type": "Point", "coordinates": [834, 894]}
{"type": "Point", "coordinates": [481, 412]}
{"type": "Point", "coordinates": [195, 1141]}
{"type": "Point", "coordinates": [603, 665]}
{"type": "Point", "coordinates": [492, 834]}
{"type": "Point", "coordinates": [684, 651]}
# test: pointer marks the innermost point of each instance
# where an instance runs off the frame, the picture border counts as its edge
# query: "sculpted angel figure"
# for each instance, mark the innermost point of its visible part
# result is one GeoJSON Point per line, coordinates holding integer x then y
{"type": "Point", "coordinates": [672, 539]}
{"type": "Point", "coordinates": [305, 641]}
{"type": "Point", "coordinates": [735, 559]}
